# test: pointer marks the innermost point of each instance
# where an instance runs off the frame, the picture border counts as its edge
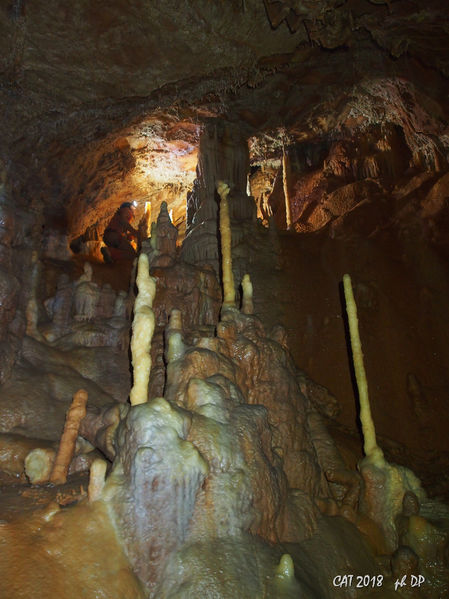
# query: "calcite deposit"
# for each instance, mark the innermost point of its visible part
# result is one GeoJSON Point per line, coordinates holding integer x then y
{"type": "Point", "coordinates": [269, 148]}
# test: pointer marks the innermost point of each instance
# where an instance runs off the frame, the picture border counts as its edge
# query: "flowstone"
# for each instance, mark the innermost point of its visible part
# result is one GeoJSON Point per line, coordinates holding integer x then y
{"type": "Point", "coordinates": [205, 487]}
{"type": "Point", "coordinates": [153, 485]}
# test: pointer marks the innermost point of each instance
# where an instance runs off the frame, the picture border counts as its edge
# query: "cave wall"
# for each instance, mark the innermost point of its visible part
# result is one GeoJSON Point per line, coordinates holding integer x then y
{"type": "Point", "coordinates": [18, 228]}
{"type": "Point", "coordinates": [363, 206]}
{"type": "Point", "coordinates": [96, 99]}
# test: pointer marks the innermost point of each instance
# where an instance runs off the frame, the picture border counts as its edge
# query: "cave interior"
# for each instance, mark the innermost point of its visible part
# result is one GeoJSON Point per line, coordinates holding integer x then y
{"type": "Point", "coordinates": [193, 422]}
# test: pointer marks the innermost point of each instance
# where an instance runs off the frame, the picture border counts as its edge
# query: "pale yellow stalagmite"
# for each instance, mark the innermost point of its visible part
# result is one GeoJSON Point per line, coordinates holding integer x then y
{"type": "Point", "coordinates": [226, 256]}
{"type": "Point", "coordinates": [96, 479]}
{"type": "Point", "coordinates": [247, 298]}
{"type": "Point", "coordinates": [384, 483]}
{"type": "Point", "coordinates": [76, 413]}
{"type": "Point", "coordinates": [288, 212]}
{"type": "Point", "coordinates": [142, 332]}
{"type": "Point", "coordinates": [372, 451]}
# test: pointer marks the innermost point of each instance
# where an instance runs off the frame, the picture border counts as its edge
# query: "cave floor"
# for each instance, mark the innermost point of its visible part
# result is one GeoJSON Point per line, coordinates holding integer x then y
{"type": "Point", "coordinates": [18, 497]}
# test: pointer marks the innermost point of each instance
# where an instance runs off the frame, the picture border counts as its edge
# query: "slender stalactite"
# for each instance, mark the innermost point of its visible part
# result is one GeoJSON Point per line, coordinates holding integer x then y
{"type": "Point", "coordinates": [226, 256]}
{"type": "Point", "coordinates": [372, 451]}
{"type": "Point", "coordinates": [143, 329]}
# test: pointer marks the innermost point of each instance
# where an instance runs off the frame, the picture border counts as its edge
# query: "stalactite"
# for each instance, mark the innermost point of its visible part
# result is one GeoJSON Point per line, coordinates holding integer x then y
{"type": "Point", "coordinates": [226, 256]}
{"type": "Point", "coordinates": [143, 328]}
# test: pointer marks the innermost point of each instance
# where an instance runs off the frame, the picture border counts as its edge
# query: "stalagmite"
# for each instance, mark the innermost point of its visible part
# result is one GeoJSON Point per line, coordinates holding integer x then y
{"type": "Point", "coordinates": [96, 479]}
{"type": "Point", "coordinates": [285, 569]}
{"type": "Point", "coordinates": [76, 413]}
{"type": "Point", "coordinates": [288, 214]}
{"type": "Point", "coordinates": [144, 224]}
{"type": "Point", "coordinates": [86, 295]}
{"type": "Point", "coordinates": [175, 344]}
{"type": "Point", "coordinates": [39, 465]}
{"type": "Point", "coordinates": [372, 451]}
{"type": "Point", "coordinates": [226, 256]}
{"type": "Point", "coordinates": [247, 299]}
{"type": "Point", "coordinates": [384, 483]}
{"type": "Point", "coordinates": [143, 328]}
{"type": "Point", "coordinates": [32, 309]}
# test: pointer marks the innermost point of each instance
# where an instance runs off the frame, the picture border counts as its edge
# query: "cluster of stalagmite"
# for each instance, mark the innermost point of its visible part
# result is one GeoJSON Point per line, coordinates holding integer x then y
{"type": "Point", "coordinates": [226, 258]}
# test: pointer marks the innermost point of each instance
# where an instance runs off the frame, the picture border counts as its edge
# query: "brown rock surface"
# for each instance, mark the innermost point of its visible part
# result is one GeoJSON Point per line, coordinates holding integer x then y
{"type": "Point", "coordinates": [108, 102]}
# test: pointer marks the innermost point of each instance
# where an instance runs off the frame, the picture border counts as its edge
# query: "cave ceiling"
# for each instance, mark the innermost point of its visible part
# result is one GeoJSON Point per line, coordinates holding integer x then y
{"type": "Point", "coordinates": [106, 100]}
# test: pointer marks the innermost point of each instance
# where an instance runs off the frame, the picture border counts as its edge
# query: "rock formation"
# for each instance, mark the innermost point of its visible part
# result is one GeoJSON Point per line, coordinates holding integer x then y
{"type": "Point", "coordinates": [317, 132]}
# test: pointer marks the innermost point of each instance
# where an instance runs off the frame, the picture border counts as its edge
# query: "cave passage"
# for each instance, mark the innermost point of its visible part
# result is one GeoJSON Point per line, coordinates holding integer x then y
{"type": "Point", "coordinates": [185, 422]}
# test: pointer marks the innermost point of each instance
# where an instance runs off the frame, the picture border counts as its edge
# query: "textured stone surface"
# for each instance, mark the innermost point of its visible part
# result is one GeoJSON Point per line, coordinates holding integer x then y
{"type": "Point", "coordinates": [220, 465]}
{"type": "Point", "coordinates": [65, 542]}
{"type": "Point", "coordinates": [112, 73]}
{"type": "Point", "coordinates": [111, 102]}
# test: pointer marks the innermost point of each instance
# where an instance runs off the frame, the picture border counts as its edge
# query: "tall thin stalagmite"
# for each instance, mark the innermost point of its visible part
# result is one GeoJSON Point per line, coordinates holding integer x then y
{"type": "Point", "coordinates": [288, 211]}
{"type": "Point", "coordinates": [372, 451]}
{"type": "Point", "coordinates": [226, 256]}
{"type": "Point", "coordinates": [143, 329]}
{"type": "Point", "coordinates": [76, 413]}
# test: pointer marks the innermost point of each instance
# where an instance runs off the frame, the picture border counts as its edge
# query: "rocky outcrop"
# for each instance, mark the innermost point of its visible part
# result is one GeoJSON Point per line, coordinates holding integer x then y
{"type": "Point", "coordinates": [227, 452]}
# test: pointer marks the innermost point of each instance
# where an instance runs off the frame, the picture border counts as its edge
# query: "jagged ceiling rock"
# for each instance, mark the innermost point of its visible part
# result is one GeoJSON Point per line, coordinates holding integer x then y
{"type": "Point", "coordinates": [97, 96]}
{"type": "Point", "coordinates": [83, 55]}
